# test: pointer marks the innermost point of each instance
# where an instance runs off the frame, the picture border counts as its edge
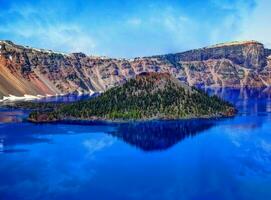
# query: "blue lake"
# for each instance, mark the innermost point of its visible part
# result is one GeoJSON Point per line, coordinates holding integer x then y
{"type": "Point", "coordinates": [190, 159]}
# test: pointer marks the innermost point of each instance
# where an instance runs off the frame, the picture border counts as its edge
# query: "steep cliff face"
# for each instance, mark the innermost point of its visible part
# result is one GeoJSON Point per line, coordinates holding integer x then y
{"type": "Point", "coordinates": [25, 70]}
{"type": "Point", "coordinates": [247, 54]}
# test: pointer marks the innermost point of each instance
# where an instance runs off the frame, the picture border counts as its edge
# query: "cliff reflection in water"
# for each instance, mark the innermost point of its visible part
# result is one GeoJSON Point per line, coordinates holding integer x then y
{"type": "Point", "coordinates": [256, 101]}
{"type": "Point", "coordinates": [160, 135]}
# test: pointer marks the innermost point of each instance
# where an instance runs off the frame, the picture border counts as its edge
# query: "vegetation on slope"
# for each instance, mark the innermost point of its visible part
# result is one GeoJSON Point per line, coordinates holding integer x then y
{"type": "Point", "coordinates": [148, 96]}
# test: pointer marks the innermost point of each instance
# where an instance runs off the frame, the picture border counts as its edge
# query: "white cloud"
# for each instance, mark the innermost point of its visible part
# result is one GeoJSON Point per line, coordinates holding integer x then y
{"type": "Point", "coordinates": [184, 30]}
{"type": "Point", "coordinates": [179, 29]}
{"type": "Point", "coordinates": [240, 5]}
{"type": "Point", "coordinates": [225, 31]}
{"type": "Point", "coordinates": [165, 27]}
{"type": "Point", "coordinates": [257, 25]}
{"type": "Point", "coordinates": [48, 33]}
{"type": "Point", "coordinates": [69, 38]}
{"type": "Point", "coordinates": [134, 21]}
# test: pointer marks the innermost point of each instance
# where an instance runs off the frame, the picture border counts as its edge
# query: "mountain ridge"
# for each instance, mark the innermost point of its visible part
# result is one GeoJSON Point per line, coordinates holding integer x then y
{"type": "Point", "coordinates": [30, 71]}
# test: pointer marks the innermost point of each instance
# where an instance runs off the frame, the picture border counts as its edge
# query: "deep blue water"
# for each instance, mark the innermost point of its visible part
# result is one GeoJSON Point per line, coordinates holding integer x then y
{"type": "Point", "coordinates": [190, 159]}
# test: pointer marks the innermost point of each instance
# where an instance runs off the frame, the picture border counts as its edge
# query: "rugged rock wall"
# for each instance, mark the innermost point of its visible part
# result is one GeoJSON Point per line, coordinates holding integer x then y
{"type": "Point", "coordinates": [25, 70]}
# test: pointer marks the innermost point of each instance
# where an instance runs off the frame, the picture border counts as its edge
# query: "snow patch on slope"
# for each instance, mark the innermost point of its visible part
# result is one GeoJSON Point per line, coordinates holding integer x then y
{"type": "Point", "coordinates": [26, 97]}
{"type": "Point", "coordinates": [31, 48]}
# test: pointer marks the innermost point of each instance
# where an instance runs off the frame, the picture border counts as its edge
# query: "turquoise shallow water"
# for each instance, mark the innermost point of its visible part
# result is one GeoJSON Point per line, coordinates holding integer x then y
{"type": "Point", "coordinates": [191, 159]}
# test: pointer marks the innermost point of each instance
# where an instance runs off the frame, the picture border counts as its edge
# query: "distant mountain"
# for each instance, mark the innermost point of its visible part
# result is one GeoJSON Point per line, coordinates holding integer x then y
{"type": "Point", "coordinates": [149, 96]}
{"type": "Point", "coordinates": [25, 70]}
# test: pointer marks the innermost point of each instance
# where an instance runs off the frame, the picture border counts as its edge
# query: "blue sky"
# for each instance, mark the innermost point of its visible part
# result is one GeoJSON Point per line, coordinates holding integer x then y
{"type": "Point", "coordinates": [130, 28]}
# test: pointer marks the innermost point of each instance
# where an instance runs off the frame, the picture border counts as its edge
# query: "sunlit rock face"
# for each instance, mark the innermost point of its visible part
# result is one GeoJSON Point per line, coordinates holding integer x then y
{"type": "Point", "coordinates": [25, 70]}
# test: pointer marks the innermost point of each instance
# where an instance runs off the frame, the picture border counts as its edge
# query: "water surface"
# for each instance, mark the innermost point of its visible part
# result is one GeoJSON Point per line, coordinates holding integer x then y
{"type": "Point", "coordinates": [189, 159]}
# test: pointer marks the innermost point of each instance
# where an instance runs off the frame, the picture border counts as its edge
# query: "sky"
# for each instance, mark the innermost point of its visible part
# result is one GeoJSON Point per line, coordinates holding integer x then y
{"type": "Point", "coordinates": [132, 28]}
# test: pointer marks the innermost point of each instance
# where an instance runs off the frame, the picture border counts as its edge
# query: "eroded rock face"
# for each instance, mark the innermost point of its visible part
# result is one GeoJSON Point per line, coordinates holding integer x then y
{"type": "Point", "coordinates": [25, 70]}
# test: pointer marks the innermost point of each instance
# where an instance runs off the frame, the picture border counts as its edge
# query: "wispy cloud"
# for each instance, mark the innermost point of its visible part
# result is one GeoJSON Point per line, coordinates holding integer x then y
{"type": "Point", "coordinates": [256, 25]}
{"type": "Point", "coordinates": [231, 5]}
{"type": "Point", "coordinates": [68, 38]}
{"type": "Point", "coordinates": [134, 28]}
{"type": "Point", "coordinates": [135, 21]}
{"type": "Point", "coordinates": [36, 25]}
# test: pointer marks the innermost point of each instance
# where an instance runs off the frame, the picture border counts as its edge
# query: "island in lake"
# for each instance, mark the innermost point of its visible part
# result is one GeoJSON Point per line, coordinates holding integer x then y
{"type": "Point", "coordinates": [148, 96]}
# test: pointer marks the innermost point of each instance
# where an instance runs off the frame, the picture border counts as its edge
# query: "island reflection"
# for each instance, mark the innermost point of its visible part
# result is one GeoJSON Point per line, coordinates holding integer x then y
{"type": "Point", "coordinates": [160, 135]}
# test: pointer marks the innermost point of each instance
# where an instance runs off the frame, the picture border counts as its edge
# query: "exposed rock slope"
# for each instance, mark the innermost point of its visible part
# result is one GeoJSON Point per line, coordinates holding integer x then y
{"type": "Point", "coordinates": [25, 70]}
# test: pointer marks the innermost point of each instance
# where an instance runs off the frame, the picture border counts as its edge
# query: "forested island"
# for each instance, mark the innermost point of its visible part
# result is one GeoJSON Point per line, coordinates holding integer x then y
{"type": "Point", "coordinates": [147, 96]}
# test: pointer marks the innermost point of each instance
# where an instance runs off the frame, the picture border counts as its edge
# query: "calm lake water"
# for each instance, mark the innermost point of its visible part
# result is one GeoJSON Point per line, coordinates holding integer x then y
{"type": "Point", "coordinates": [191, 159]}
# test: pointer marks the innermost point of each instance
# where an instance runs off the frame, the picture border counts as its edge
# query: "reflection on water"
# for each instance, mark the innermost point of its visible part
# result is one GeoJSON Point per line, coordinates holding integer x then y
{"type": "Point", "coordinates": [15, 135]}
{"type": "Point", "coordinates": [6, 119]}
{"type": "Point", "coordinates": [1, 145]}
{"type": "Point", "coordinates": [147, 136]}
{"type": "Point", "coordinates": [9, 116]}
{"type": "Point", "coordinates": [248, 101]}
{"type": "Point", "coordinates": [222, 159]}
{"type": "Point", "coordinates": [159, 135]}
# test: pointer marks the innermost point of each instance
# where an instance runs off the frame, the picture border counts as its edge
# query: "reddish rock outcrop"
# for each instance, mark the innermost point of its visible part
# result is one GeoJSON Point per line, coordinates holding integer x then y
{"type": "Point", "coordinates": [25, 70]}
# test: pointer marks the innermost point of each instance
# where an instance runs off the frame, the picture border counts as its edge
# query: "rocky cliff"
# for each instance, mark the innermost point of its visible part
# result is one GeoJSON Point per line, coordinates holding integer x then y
{"type": "Point", "coordinates": [25, 70]}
